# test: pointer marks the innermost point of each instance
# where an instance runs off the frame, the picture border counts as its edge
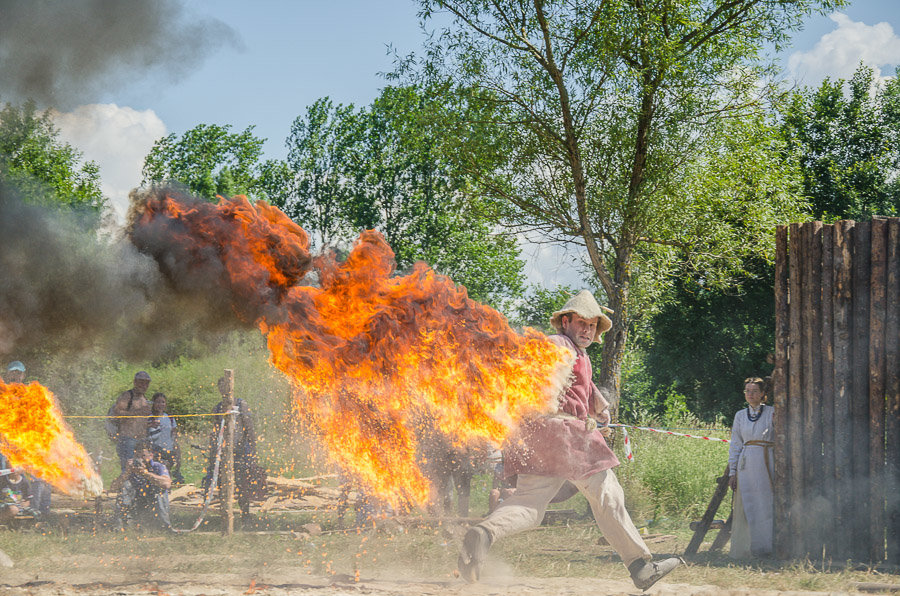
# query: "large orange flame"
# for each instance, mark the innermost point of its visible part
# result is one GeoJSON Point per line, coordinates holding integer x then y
{"type": "Point", "coordinates": [35, 437]}
{"type": "Point", "coordinates": [371, 354]}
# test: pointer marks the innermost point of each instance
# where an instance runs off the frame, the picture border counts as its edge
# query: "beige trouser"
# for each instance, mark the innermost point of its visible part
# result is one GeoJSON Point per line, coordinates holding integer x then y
{"type": "Point", "coordinates": [525, 509]}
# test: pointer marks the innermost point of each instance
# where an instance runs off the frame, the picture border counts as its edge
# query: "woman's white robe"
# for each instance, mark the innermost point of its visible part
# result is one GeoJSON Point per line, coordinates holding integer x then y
{"type": "Point", "coordinates": [753, 522]}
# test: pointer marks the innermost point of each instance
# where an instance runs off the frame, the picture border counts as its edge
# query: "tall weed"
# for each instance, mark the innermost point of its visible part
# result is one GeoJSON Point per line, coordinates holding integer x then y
{"type": "Point", "coordinates": [672, 476]}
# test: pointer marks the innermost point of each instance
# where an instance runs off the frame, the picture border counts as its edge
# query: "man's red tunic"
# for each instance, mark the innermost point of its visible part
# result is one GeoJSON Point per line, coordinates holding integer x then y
{"type": "Point", "coordinates": [559, 444]}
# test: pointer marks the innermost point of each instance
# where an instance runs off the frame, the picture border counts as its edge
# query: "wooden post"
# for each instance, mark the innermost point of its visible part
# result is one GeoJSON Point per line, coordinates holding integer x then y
{"type": "Point", "coordinates": [892, 391]}
{"type": "Point", "coordinates": [859, 404]}
{"type": "Point", "coordinates": [779, 396]}
{"type": "Point", "coordinates": [877, 296]}
{"type": "Point", "coordinates": [811, 307]}
{"type": "Point", "coordinates": [228, 480]}
{"type": "Point", "coordinates": [826, 408]}
{"type": "Point", "coordinates": [843, 326]}
{"type": "Point", "coordinates": [794, 400]}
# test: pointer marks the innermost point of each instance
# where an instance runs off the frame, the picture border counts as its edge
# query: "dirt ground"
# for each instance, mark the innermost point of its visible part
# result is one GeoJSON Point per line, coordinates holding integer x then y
{"type": "Point", "coordinates": [395, 560]}
{"type": "Point", "coordinates": [283, 583]}
{"type": "Point", "coordinates": [156, 578]}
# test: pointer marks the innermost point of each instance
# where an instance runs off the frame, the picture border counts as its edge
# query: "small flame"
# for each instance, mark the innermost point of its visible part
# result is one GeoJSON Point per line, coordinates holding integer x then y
{"type": "Point", "coordinates": [37, 439]}
{"type": "Point", "coordinates": [370, 354]}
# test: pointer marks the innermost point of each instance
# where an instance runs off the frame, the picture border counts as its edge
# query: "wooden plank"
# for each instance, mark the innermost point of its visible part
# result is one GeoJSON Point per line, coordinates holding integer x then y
{"type": "Point", "coordinates": [709, 515]}
{"type": "Point", "coordinates": [892, 391]}
{"type": "Point", "coordinates": [795, 389]}
{"type": "Point", "coordinates": [859, 403]}
{"type": "Point", "coordinates": [811, 306]}
{"type": "Point", "coordinates": [779, 397]}
{"type": "Point", "coordinates": [877, 296]}
{"type": "Point", "coordinates": [843, 385]}
{"type": "Point", "coordinates": [826, 520]}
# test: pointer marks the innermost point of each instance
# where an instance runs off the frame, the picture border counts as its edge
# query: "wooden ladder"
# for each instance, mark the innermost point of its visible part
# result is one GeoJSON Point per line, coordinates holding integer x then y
{"type": "Point", "coordinates": [704, 524]}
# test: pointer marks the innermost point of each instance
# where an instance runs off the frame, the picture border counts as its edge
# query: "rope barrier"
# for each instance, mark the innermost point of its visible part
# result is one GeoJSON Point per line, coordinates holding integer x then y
{"type": "Point", "coordinates": [104, 417]}
{"type": "Point", "coordinates": [669, 432]}
{"type": "Point", "coordinates": [212, 483]}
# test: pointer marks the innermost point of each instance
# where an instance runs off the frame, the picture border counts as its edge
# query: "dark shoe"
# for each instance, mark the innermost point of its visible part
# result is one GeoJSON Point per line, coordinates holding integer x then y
{"type": "Point", "coordinates": [475, 547]}
{"type": "Point", "coordinates": [646, 573]}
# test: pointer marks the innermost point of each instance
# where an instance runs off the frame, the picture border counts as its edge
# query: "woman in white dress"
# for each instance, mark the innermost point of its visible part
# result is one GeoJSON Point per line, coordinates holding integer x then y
{"type": "Point", "coordinates": [750, 465]}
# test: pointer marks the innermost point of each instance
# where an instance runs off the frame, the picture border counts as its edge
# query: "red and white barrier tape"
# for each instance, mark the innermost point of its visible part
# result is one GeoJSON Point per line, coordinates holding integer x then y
{"type": "Point", "coordinates": [668, 432]}
{"type": "Point", "coordinates": [629, 456]}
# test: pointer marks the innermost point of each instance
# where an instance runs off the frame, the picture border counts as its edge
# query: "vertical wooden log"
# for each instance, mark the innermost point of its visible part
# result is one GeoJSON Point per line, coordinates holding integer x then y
{"type": "Point", "coordinates": [877, 296]}
{"type": "Point", "coordinates": [228, 501]}
{"type": "Point", "coordinates": [827, 402]}
{"type": "Point", "coordinates": [811, 307]}
{"type": "Point", "coordinates": [859, 404]}
{"type": "Point", "coordinates": [843, 385]}
{"type": "Point", "coordinates": [795, 391]}
{"type": "Point", "coordinates": [782, 471]}
{"type": "Point", "coordinates": [892, 392]}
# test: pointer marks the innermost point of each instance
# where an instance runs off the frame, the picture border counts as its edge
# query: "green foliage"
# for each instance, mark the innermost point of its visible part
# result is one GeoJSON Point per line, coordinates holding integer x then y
{"type": "Point", "coordinates": [848, 145]}
{"type": "Point", "coordinates": [45, 170]}
{"type": "Point", "coordinates": [209, 160]}
{"type": "Point", "coordinates": [377, 168]}
{"type": "Point", "coordinates": [86, 384]}
{"type": "Point", "coordinates": [313, 178]}
{"type": "Point", "coordinates": [671, 476]}
{"type": "Point", "coordinates": [536, 308]}
{"type": "Point", "coordinates": [706, 341]}
{"type": "Point", "coordinates": [599, 124]}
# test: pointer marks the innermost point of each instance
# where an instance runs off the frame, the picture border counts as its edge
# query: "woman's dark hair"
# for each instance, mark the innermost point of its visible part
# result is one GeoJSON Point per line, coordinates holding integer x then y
{"type": "Point", "coordinates": [157, 395]}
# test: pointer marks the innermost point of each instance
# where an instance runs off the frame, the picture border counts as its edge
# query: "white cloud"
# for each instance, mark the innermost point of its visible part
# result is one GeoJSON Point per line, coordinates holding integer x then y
{"type": "Point", "coordinates": [118, 139]}
{"type": "Point", "coordinates": [838, 53]}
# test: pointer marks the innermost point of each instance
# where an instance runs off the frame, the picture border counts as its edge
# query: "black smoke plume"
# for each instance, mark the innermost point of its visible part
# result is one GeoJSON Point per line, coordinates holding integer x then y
{"type": "Point", "coordinates": [64, 288]}
{"type": "Point", "coordinates": [62, 54]}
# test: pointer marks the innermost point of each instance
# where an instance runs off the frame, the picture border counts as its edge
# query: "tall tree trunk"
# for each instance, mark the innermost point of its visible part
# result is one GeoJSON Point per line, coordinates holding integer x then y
{"type": "Point", "coordinates": [615, 338]}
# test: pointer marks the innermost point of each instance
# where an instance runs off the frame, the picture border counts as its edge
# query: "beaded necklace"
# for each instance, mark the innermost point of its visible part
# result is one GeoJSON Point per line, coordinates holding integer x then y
{"type": "Point", "coordinates": [753, 418]}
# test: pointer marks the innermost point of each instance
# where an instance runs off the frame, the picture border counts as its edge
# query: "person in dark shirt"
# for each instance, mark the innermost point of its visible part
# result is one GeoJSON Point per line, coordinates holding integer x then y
{"type": "Point", "coordinates": [15, 496]}
{"type": "Point", "coordinates": [143, 491]}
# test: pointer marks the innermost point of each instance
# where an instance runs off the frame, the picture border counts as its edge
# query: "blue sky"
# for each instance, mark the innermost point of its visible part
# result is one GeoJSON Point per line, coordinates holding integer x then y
{"type": "Point", "coordinates": [280, 56]}
{"type": "Point", "coordinates": [291, 53]}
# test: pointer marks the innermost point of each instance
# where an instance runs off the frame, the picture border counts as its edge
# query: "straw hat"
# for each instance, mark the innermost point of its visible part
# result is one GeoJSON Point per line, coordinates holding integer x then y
{"type": "Point", "coordinates": [584, 305]}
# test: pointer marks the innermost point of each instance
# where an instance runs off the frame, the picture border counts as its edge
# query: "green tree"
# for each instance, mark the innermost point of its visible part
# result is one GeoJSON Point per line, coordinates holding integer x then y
{"type": "Point", "coordinates": [849, 145]}
{"type": "Point", "coordinates": [403, 186]}
{"type": "Point", "coordinates": [209, 160]}
{"type": "Point", "coordinates": [45, 170]}
{"type": "Point", "coordinates": [377, 168]}
{"type": "Point", "coordinates": [592, 118]}
{"type": "Point", "coordinates": [314, 178]}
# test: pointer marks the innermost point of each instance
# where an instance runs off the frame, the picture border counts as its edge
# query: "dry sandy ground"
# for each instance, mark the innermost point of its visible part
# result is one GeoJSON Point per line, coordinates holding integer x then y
{"type": "Point", "coordinates": [16, 583]}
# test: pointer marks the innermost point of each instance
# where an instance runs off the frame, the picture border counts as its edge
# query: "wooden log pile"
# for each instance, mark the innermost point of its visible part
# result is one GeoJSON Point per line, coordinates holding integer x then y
{"type": "Point", "coordinates": [836, 388]}
{"type": "Point", "coordinates": [284, 495]}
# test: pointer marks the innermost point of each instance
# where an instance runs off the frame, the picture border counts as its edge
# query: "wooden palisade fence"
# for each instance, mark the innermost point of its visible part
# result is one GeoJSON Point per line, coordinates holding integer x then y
{"type": "Point", "coordinates": [836, 389]}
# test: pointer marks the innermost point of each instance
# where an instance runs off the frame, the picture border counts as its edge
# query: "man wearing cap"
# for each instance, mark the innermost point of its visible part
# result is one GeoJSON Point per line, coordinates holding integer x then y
{"type": "Point", "coordinates": [134, 409]}
{"type": "Point", "coordinates": [15, 372]}
{"type": "Point", "coordinates": [567, 446]}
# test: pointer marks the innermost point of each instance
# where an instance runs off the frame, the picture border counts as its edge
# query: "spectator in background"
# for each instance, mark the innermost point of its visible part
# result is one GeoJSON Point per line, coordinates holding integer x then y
{"type": "Point", "coordinates": [15, 372]}
{"type": "Point", "coordinates": [134, 408]}
{"type": "Point", "coordinates": [162, 431]}
{"type": "Point", "coordinates": [750, 465]}
{"type": "Point", "coordinates": [143, 488]}
{"type": "Point", "coordinates": [15, 496]}
{"type": "Point", "coordinates": [249, 478]}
